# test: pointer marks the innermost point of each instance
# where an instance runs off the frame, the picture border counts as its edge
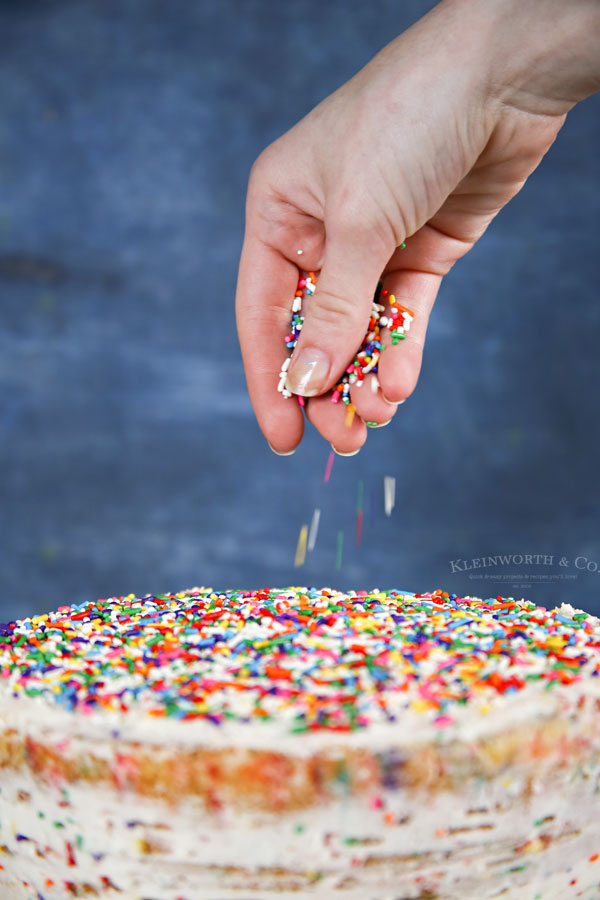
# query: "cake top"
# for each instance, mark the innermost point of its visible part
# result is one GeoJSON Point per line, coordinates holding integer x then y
{"type": "Point", "coordinates": [314, 659]}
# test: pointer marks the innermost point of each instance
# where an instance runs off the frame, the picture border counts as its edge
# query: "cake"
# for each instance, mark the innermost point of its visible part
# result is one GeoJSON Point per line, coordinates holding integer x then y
{"type": "Point", "coordinates": [300, 743]}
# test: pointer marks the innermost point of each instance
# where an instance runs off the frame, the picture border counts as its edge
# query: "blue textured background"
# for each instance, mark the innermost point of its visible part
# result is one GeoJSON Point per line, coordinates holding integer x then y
{"type": "Point", "coordinates": [130, 458]}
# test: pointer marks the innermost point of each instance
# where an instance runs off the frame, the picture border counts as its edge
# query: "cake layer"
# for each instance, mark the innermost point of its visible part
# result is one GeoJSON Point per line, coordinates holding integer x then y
{"type": "Point", "coordinates": [502, 837]}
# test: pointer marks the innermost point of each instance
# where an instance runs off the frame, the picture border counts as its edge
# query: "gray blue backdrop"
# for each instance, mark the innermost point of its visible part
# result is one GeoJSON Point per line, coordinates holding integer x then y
{"type": "Point", "coordinates": [130, 458]}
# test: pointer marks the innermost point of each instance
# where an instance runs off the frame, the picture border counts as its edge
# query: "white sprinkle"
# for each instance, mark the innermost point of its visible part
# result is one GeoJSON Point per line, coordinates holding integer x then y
{"type": "Point", "coordinates": [282, 381]}
{"type": "Point", "coordinates": [286, 364]}
{"type": "Point", "coordinates": [300, 252]}
{"type": "Point", "coordinates": [286, 393]}
{"type": "Point", "coordinates": [297, 304]}
{"type": "Point", "coordinates": [374, 384]}
{"type": "Point", "coordinates": [389, 494]}
{"type": "Point", "coordinates": [314, 529]}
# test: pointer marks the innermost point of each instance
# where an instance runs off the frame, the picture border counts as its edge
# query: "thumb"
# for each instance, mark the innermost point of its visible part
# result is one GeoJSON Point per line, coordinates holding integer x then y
{"type": "Point", "coordinates": [337, 315]}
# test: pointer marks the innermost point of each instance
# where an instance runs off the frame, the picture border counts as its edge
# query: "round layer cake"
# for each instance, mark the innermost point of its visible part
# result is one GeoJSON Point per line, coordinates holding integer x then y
{"type": "Point", "coordinates": [300, 743]}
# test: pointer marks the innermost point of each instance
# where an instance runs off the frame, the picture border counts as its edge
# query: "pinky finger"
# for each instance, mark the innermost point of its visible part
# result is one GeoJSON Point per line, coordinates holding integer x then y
{"type": "Point", "coordinates": [400, 365]}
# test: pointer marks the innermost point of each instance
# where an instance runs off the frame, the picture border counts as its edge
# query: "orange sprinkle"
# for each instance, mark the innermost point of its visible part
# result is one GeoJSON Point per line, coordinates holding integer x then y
{"type": "Point", "coordinates": [594, 857]}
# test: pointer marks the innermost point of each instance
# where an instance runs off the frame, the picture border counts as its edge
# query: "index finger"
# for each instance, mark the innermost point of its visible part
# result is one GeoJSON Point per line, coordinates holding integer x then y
{"type": "Point", "coordinates": [265, 288]}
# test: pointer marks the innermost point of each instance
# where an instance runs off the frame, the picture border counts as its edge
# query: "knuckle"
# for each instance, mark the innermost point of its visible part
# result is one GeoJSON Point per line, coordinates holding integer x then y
{"type": "Point", "coordinates": [331, 307]}
{"type": "Point", "coordinates": [261, 167]}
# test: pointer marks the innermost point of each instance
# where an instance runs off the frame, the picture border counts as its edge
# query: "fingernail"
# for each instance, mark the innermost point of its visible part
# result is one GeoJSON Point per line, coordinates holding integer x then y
{"type": "Point", "coordinates": [394, 402]}
{"type": "Point", "coordinates": [339, 453]}
{"type": "Point", "coordinates": [277, 452]}
{"type": "Point", "coordinates": [308, 372]}
{"type": "Point", "coordinates": [378, 424]}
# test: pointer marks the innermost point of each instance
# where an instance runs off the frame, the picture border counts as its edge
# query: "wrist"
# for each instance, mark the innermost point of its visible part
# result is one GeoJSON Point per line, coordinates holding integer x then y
{"type": "Point", "coordinates": [541, 56]}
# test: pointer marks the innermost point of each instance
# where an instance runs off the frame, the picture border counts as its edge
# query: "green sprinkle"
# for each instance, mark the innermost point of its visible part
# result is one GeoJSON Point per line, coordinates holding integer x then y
{"type": "Point", "coordinates": [339, 550]}
{"type": "Point", "coordinates": [359, 502]}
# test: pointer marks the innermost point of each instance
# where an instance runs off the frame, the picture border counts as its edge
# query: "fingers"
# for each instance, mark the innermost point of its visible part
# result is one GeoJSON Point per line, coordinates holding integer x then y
{"type": "Point", "coordinates": [337, 315]}
{"type": "Point", "coordinates": [265, 289]}
{"type": "Point", "coordinates": [399, 368]}
{"type": "Point", "coordinates": [399, 365]}
{"type": "Point", "coordinates": [346, 433]}
{"type": "Point", "coordinates": [369, 403]}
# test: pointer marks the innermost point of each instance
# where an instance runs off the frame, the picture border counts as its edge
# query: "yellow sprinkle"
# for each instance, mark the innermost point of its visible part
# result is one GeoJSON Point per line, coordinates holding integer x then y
{"type": "Point", "coordinates": [420, 705]}
{"type": "Point", "coordinates": [301, 547]}
{"type": "Point", "coordinates": [534, 846]}
{"type": "Point", "coordinates": [349, 415]}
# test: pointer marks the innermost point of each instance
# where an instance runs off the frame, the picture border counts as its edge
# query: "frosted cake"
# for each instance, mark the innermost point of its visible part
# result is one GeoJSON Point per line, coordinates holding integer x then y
{"type": "Point", "coordinates": [300, 743]}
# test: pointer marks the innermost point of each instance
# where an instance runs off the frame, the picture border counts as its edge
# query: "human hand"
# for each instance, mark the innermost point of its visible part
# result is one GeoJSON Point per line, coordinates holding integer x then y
{"type": "Point", "coordinates": [427, 142]}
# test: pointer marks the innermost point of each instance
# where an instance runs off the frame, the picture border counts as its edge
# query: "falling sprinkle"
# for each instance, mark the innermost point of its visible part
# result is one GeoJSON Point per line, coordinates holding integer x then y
{"type": "Point", "coordinates": [329, 466]}
{"type": "Point", "coordinates": [389, 494]}
{"type": "Point", "coordinates": [301, 547]}
{"type": "Point", "coordinates": [359, 512]}
{"type": "Point", "coordinates": [360, 495]}
{"type": "Point", "coordinates": [314, 529]}
{"type": "Point", "coordinates": [359, 527]}
{"type": "Point", "coordinates": [339, 550]}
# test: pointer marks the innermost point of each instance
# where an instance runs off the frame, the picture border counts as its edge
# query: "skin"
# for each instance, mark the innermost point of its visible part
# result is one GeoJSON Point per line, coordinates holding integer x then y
{"type": "Point", "coordinates": [426, 143]}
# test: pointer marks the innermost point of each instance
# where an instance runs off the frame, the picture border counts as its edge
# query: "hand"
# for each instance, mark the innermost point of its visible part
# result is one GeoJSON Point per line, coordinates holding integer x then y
{"type": "Point", "coordinates": [426, 143]}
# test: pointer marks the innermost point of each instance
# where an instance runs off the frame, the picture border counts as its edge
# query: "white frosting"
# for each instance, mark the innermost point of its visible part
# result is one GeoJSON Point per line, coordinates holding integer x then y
{"type": "Point", "coordinates": [36, 718]}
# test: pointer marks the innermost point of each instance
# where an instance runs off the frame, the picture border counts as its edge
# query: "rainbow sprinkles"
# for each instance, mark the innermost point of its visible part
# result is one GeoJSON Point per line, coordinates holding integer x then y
{"type": "Point", "coordinates": [396, 317]}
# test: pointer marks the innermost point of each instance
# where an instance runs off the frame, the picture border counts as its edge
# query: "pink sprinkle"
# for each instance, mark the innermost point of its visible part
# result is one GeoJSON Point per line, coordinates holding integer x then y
{"type": "Point", "coordinates": [359, 527]}
{"type": "Point", "coordinates": [376, 803]}
{"type": "Point", "coordinates": [329, 467]}
{"type": "Point", "coordinates": [300, 400]}
{"type": "Point", "coordinates": [443, 721]}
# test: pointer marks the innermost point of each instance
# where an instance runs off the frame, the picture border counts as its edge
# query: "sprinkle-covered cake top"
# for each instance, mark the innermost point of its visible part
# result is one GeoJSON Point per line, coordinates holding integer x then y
{"type": "Point", "coordinates": [316, 659]}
